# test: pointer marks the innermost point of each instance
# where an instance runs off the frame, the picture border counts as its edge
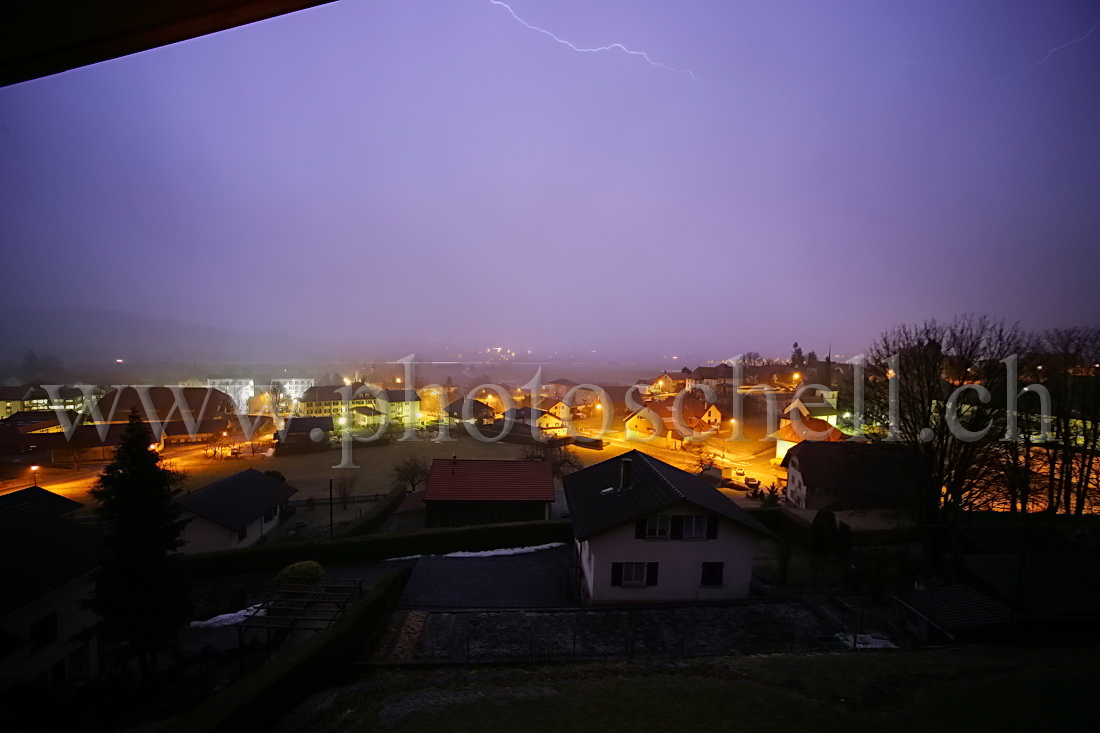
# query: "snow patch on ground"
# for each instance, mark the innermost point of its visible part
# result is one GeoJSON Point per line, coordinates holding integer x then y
{"type": "Point", "coordinates": [866, 641]}
{"type": "Point", "coordinates": [228, 619]}
{"type": "Point", "coordinates": [488, 553]}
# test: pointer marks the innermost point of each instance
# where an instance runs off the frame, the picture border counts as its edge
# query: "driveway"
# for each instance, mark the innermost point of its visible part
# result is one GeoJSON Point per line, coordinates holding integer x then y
{"type": "Point", "coordinates": [534, 580]}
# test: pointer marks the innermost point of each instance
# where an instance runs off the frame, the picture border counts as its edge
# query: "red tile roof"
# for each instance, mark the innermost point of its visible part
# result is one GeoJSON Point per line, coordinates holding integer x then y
{"type": "Point", "coordinates": [463, 479]}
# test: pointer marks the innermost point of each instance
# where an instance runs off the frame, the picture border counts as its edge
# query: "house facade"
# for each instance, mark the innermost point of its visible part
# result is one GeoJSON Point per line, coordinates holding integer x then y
{"type": "Point", "coordinates": [328, 401]}
{"type": "Point", "coordinates": [548, 424]}
{"type": "Point", "coordinates": [556, 407]}
{"type": "Point", "coordinates": [402, 406]}
{"type": "Point", "coordinates": [48, 573]}
{"type": "Point", "coordinates": [648, 532]}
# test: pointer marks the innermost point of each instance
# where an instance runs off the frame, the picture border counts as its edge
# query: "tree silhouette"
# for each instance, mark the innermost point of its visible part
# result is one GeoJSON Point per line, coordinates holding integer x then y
{"type": "Point", "coordinates": [562, 460]}
{"type": "Point", "coordinates": [142, 594]}
{"type": "Point", "coordinates": [413, 471]}
{"type": "Point", "coordinates": [797, 359]}
{"type": "Point", "coordinates": [30, 365]}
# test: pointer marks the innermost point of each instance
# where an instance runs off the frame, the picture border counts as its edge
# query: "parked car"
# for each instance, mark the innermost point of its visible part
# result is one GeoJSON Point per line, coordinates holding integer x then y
{"type": "Point", "coordinates": [739, 472]}
{"type": "Point", "coordinates": [752, 483]}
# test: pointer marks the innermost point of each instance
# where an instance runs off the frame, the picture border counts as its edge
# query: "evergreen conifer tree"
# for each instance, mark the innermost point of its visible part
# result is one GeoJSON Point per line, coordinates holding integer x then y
{"type": "Point", "coordinates": [143, 591]}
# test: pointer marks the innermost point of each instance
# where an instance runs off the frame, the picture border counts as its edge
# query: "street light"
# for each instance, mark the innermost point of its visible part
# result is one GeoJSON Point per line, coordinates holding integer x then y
{"type": "Point", "coordinates": [34, 470]}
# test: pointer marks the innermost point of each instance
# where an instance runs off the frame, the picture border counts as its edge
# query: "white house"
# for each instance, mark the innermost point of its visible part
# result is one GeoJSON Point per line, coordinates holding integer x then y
{"type": "Point", "coordinates": [649, 532]}
{"type": "Point", "coordinates": [236, 511]}
{"type": "Point", "coordinates": [556, 407]}
{"type": "Point", "coordinates": [548, 424]}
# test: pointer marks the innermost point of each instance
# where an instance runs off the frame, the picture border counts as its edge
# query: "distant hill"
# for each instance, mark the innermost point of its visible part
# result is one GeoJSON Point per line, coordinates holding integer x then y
{"type": "Point", "coordinates": [95, 334]}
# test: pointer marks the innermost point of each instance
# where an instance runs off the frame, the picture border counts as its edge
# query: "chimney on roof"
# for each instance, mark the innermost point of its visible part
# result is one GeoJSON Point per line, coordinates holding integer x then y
{"type": "Point", "coordinates": [624, 473]}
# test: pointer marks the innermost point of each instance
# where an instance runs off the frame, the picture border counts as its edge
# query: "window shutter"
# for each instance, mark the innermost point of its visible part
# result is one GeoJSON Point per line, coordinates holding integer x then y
{"type": "Point", "coordinates": [639, 529]}
{"type": "Point", "coordinates": [712, 527]}
{"type": "Point", "coordinates": [711, 573]}
{"type": "Point", "coordinates": [616, 573]}
{"type": "Point", "coordinates": [676, 531]}
{"type": "Point", "coordinates": [651, 573]}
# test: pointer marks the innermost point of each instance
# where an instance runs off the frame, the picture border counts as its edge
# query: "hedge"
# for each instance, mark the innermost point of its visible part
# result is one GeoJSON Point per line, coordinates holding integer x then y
{"type": "Point", "coordinates": [378, 513]}
{"type": "Point", "coordinates": [253, 703]}
{"type": "Point", "coordinates": [276, 556]}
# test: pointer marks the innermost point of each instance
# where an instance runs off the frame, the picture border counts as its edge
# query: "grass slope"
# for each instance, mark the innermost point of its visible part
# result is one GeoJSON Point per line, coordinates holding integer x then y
{"type": "Point", "coordinates": [949, 690]}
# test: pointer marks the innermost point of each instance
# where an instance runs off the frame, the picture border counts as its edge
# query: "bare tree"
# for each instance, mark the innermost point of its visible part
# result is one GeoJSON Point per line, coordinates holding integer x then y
{"type": "Point", "coordinates": [1067, 366]}
{"type": "Point", "coordinates": [937, 373]}
{"type": "Point", "coordinates": [562, 460]}
{"type": "Point", "coordinates": [413, 471]}
{"type": "Point", "coordinates": [701, 458]}
{"type": "Point", "coordinates": [217, 446]}
{"type": "Point", "coordinates": [279, 397]}
{"type": "Point", "coordinates": [343, 486]}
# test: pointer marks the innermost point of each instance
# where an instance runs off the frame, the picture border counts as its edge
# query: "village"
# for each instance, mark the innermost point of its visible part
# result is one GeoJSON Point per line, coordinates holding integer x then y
{"type": "Point", "coordinates": [504, 365]}
{"type": "Point", "coordinates": [690, 515]}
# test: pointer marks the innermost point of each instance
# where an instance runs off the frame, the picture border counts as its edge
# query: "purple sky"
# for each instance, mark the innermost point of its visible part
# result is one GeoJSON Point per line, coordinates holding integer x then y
{"type": "Point", "coordinates": [422, 170]}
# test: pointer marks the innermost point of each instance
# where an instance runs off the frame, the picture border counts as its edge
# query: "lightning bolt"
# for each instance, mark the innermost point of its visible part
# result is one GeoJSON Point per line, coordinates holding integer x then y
{"type": "Point", "coordinates": [610, 47]}
{"type": "Point", "coordinates": [1053, 51]}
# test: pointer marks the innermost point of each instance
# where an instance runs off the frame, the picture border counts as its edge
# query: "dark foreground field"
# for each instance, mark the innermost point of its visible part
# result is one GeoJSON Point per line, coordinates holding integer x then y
{"type": "Point", "coordinates": [947, 690]}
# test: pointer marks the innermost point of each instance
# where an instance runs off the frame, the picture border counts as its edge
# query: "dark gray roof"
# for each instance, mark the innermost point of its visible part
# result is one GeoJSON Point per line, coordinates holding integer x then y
{"type": "Point", "coordinates": [654, 485]}
{"type": "Point", "coordinates": [856, 468]}
{"type": "Point", "coordinates": [44, 501]}
{"type": "Point", "coordinates": [42, 551]}
{"type": "Point", "coordinates": [305, 424]}
{"type": "Point", "coordinates": [477, 408]}
{"type": "Point", "coordinates": [238, 500]}
{"type": "Point", "coordinates": [115, 405]}
{"type": "Point", "coordinates": [401, 395]}
{"type": "Point", "coordinates": [954, 608]}
{"type": "Point", "coordinates": [524, 413]}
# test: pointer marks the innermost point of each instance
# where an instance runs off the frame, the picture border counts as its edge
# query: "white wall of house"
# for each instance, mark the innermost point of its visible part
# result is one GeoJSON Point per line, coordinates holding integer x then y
{"type": "Point", "coordinates": [796, 487]}
{"type": "Point", "coordinates": [60, 661]}
{"type": "Point", "coordinates": [202, 535]}
{"type": "Point", "coordinates": [781, 448]}
{"type": "Point", "coordinates": [679, 563]}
